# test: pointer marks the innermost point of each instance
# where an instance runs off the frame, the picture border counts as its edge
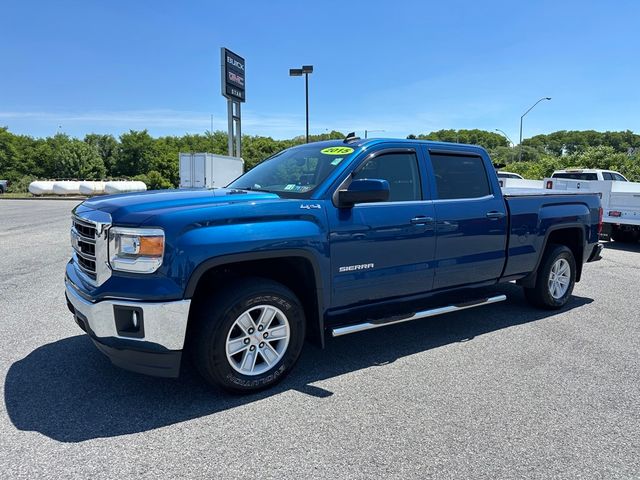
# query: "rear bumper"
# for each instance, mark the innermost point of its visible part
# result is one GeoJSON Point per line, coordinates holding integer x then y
{"type": "Point", "coordinates": [153, 347]}
{"type": "Point", "coordinates": [595, 253]}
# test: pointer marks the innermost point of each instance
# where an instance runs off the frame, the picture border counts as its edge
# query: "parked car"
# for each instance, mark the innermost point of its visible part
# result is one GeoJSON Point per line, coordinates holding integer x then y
{"type": "Point", "coordinates": [322, 239]}
{"type": "Point", "coordinates": [4, 186]}
{"type": "Point", "coordinates": [589, 174]}
{"type": "Point", "coordinates": [509, 175]}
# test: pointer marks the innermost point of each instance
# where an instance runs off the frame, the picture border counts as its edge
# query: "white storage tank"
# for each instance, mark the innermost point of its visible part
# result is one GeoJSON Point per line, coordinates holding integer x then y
{"type": "Point", "coordinates": [124, 186]}
{"type": "Point", "coordinates": [66, 187]}
{"type": "Point", "coordinates": [91, 188]}
{"type": "Point", "coordinates": [41, 187]}
{"type": "Point", "coordinates": [207, 170]}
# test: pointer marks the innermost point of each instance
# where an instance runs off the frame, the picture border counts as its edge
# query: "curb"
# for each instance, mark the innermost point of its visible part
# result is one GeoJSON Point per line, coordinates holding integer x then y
{"type": "Point", "coordinates": [43, 198]}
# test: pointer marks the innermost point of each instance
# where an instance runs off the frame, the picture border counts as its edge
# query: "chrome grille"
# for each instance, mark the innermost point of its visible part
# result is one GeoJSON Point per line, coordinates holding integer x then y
{"type": "Point", "coordinates": [89, 243]}
{"type": "Point", "coordinates": [83, 241]}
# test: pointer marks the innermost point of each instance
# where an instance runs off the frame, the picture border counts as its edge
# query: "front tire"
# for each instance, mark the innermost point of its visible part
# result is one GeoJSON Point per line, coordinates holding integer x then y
{"type": "Point", "coordinates": [555, 280]}
{"type": "Point", "coordinates": [249, 335]}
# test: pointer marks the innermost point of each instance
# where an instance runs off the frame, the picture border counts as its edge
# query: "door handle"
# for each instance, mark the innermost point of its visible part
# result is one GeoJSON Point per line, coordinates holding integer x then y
{"type": "Point", "coordinates": [421, 220]}
{"type": "Point", "coordinates": [495, 215]}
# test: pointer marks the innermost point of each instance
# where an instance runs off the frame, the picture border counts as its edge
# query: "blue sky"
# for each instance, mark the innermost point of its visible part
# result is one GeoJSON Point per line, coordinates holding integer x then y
{"type": "Point", "coordinates": [403, 66]}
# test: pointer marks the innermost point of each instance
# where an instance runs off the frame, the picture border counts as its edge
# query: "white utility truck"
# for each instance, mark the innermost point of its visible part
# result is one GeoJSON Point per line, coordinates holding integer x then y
{"type": "Point", "coordinates": [620, 198]}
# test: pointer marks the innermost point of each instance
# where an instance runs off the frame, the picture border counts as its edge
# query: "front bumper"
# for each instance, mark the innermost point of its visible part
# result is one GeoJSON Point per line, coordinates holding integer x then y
{"type": "Point", "coordinates": [154, 347]}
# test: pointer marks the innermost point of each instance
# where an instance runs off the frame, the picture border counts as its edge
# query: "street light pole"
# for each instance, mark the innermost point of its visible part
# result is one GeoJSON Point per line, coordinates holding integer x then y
{"type": "Point", "coordinates": [505, 136]}
{"type": "Point", "coordinates": [367, 132]}
{"type": "Point", "coordinates": [298, 72]}
{"type": "Point", "coordinates": [521, 118]}
{"type": "Point", "coordinates": [306, 104]}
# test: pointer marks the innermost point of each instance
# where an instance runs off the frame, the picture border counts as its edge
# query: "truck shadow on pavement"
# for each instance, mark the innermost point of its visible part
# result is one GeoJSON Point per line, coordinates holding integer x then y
{"type": "Point", "coordinates": [68, 391]}
{"type": "Point", "coordinates": [623, 247]}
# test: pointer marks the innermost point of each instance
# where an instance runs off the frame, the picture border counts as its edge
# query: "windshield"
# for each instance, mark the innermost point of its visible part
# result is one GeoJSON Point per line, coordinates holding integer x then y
{"type": "Point", "coordinates": [576, 176]}
{"type": "Point", "coordinates": [295, 172]}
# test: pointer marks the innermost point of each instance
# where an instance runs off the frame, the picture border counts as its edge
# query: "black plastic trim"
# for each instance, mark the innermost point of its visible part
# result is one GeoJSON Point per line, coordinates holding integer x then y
{"type": "Point", "coordinates": [164, 364]}
{"type": "Point", "coordinates": [595, 253]}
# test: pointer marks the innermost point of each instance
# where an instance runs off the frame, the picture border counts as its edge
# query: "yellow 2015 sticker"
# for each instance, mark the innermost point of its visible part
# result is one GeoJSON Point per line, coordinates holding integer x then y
{"type": "Point", "coordinates": [337, 150]}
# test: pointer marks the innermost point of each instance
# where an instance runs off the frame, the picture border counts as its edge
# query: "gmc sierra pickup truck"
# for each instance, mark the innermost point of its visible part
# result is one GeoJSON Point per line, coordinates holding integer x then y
{"type": "Point", "coordinates": [327, 238]}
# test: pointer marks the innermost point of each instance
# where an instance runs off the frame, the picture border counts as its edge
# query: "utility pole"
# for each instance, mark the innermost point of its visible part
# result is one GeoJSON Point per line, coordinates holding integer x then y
{"type": "Point", "coordinates": [213, 146]}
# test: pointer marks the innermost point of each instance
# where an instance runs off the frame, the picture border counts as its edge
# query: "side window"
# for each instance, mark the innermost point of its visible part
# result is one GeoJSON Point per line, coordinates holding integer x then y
{"type": "Point", "coordinates": [460, 176]}
{"type": "Point", "coordinates": [618, 177]}
{"type": "Point", "coordinates": [400, 170]}
{"type": "Point", "coordinates": [607, 176]}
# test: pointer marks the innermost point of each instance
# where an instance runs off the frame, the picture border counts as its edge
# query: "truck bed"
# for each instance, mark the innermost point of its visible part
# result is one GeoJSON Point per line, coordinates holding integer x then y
{"type": "Point", "coordinates": [533, 213]}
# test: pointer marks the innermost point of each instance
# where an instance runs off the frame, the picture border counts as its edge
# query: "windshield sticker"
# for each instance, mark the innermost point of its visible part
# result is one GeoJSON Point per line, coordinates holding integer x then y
{"type": "Point", "coordinates": [290, 186]}
{"type": "Point", "coordinates": [337, 161]}
{"type": "Point", "coordinates": [337, 150]}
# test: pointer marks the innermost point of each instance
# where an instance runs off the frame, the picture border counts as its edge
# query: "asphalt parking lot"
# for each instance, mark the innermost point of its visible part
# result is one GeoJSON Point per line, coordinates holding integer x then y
{"type": "Point", "coordinates": [504, 391]}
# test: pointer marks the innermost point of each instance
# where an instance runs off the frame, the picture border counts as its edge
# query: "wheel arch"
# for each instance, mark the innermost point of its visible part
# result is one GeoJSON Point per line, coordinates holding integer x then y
{"type": "Point", "coordinates": [572, 236]}
{"type": "Point", "coordinates": [298, 270]}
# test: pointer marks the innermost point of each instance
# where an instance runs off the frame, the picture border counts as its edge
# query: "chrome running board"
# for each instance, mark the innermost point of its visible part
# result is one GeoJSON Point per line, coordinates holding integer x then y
{"type": "Point", "coordinates": [359, 327]}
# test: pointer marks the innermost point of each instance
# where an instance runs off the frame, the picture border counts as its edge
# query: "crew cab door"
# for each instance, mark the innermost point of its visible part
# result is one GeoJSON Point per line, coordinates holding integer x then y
{"type": "Point", "coordinates": [471, 219]}
{"type": "Point", "coordinates": [384, 249]}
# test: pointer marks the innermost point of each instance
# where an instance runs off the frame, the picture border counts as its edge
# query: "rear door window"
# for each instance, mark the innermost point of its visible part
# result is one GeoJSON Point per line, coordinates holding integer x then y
{"type": "Point", "coordinates": [460, 176]}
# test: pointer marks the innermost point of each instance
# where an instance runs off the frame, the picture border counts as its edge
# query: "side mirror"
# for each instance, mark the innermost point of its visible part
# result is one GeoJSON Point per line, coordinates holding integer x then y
{"type": "Point", "coordinates": [365, 190]}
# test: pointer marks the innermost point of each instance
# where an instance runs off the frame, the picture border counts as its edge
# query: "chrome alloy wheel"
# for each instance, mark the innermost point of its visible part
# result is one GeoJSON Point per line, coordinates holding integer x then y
{"type": "Point", "coordinates": [559, 278]}
{"type": "Point", "coordinates": [257, 340]}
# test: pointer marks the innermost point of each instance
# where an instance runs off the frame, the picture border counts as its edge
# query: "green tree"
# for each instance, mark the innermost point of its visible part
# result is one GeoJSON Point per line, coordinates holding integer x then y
{"type": "Point", "coordinates": [8, 153]}
{"type": "Point", "coordinates": [565, 142]}
{"type": "Point", "coordinates": [107, 147]}
{"type": "Point", "coordinates": [136, 153]}
{"type": "Point", "coordinates": [155, 181]}
{"type": "Point", "coordinates": [76, 159]}
{"type": "Point", "coordinates": [483, 138]}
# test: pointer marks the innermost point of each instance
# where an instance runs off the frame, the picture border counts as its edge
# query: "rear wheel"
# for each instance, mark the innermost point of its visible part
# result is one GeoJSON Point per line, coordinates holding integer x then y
{"type": "Point", "coordinates": [555, 280]}
{"type": "Point", "coordinates": [249, 335]}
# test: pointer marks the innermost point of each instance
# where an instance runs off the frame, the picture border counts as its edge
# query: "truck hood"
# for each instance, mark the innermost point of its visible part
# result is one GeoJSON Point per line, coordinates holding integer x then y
{"type": "Point", "coordinates": [135, 208]}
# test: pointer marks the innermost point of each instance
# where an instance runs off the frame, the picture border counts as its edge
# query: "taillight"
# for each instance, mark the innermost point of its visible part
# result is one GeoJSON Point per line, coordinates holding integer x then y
{"type": "Point", "coordinates": [599, 220]}
{"type": "Point", "coordinates": [615, 213]}
{"type": "Point", "coordinates": [549, 184]}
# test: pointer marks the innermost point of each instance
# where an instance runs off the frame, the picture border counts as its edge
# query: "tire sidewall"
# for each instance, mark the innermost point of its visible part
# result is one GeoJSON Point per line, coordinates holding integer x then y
{"type": "Point", "coordinates": [222, 371]}
{"type": "Point", "coordinates": [557, 254]}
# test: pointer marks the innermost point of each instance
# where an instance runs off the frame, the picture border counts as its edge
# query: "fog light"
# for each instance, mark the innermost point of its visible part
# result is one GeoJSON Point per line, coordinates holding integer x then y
{"type": "Point", "coordinates": [129, 321]}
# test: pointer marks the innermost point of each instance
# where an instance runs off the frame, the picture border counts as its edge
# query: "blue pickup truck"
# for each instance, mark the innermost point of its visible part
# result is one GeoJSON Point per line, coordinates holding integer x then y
{"type": "Point", "coordinates": [327, 238]}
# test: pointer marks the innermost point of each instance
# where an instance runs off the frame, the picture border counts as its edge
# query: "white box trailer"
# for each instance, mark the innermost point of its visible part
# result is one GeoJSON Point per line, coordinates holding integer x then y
{"type": "Point", "coordinates": [207, 170]}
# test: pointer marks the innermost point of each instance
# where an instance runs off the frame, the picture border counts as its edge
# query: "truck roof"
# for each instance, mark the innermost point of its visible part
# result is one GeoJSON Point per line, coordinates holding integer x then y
{"type": "Point", "coordinates": [583, 170]}
{"type": "Point", "coordinates": [367, 142]}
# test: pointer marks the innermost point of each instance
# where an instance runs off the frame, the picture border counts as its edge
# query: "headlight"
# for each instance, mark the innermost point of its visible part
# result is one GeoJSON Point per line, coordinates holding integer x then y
{"type": "Point", "coordinates": [137, 250]}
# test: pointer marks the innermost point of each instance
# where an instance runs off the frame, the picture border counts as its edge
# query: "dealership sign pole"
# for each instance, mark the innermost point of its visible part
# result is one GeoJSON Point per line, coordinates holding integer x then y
{"type": "Point", "coordinates": [232, 68]}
